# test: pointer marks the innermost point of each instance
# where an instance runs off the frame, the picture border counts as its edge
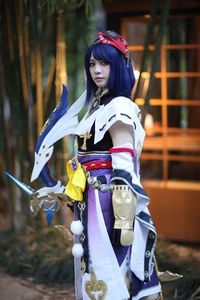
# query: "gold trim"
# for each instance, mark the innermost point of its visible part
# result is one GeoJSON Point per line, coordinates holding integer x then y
{"type": "Point", "coordinates": [93, 286]}
{"type": "Point", "coordinates": [93, 153]}
{"type": "Point", "coordinates": [83, 266]}
{"type": "Point", "coordinates": [128, 283]}
{"type": "Point", "coordinates": [166, 275]}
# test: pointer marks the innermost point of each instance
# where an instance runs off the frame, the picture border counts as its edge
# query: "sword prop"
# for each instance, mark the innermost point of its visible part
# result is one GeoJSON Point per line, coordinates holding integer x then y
{"type": "Point", "coordinates": [25, 188]}
{"type": "Point", "coordinates": [61, 122]}
{"type": "Point", "coordinates": [40, 201]}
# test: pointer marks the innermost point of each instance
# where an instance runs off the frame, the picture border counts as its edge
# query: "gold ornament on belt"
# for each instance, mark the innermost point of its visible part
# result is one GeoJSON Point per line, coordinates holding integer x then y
{"type": "Point", "coordinates": [94, 286]}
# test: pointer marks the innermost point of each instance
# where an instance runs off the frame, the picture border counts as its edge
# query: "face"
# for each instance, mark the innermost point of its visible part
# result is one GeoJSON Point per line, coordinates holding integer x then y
{"type": "Point", "coordinates": [100, 72]}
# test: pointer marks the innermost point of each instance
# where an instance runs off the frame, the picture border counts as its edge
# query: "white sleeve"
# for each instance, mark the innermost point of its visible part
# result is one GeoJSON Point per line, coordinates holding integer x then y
{"type": "Point", "coordinates": [119, 109]}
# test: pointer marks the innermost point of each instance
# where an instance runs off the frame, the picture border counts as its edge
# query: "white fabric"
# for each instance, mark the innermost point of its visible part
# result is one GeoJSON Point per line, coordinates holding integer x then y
{"type": "Point", "coordinates": [64, 126]}
{"type": "Point", "coordinates": [77, 266]}
{"type": "Point", "coordinates": [147, 292]}
{"type": "Point", "coordinates": [124, 110]}
{"type": "Point", "coordinates": [104, 261]}
{"type": "Point", "coordinates": [124, 161]}
{"type": "Point", "coordinates": [141, 230]}
{"type": "Point", "coordinates": [87, 122]}
{"type": "Point", "coordinates": [138, 250]}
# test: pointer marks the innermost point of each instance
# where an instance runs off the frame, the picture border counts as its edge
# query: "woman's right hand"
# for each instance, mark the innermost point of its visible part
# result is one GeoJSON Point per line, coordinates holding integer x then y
{"type": "Point", "coordinates": [58, 188]}
{"type": "Point", "coordinates": [54, 193]}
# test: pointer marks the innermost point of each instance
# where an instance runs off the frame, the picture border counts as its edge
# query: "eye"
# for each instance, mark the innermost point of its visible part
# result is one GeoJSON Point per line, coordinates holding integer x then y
{"type": "Point", "coordinates": [105, 63]}
{"type": "Point", "coordinates": [91, 64]}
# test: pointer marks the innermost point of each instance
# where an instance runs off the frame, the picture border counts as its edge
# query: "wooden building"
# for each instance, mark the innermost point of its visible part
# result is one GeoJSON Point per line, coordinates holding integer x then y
{"type": "Point", "coordinates": [170, 163]}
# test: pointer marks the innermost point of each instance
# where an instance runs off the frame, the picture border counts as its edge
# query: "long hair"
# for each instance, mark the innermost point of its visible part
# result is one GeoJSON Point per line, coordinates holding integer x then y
{"type": "Point", "coordinates": [121, 80]}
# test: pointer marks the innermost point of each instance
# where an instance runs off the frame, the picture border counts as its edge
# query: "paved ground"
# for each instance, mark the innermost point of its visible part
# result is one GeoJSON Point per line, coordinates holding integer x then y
{"type": "Point", "coordinates": [13, 288]}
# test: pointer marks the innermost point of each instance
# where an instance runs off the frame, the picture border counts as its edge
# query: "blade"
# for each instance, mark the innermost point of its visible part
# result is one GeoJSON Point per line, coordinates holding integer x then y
{"type": "Point", "coordinates": [25, 188]}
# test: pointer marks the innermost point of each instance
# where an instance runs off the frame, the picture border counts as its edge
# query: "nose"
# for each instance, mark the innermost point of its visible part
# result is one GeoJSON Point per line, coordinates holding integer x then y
{"type": "Point", "coordinates": [97, 68]}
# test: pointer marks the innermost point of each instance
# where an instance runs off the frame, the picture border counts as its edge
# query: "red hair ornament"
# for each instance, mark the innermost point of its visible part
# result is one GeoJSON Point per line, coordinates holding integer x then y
{"type": "Point", "coordinates": [114, 39]}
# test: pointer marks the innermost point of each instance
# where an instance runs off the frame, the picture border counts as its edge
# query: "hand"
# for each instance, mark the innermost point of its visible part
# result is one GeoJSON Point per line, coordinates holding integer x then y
{"type": "Point", "coordinates": [46, 193]}
{"type": "Point", "coordinates": [58, 188]}
{"type": "Point", "coordinates": [62, 198]}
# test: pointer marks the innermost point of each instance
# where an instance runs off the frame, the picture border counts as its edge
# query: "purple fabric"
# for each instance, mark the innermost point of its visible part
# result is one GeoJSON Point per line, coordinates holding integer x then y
{"type": "Point", "coordinates": [93, 157]}
{"type": "Point", "coordinates": [107, 211]}
{"type": "Point", "coordinates": [105, 200]}
{"type": "Point", "coordinates": [138, 285]}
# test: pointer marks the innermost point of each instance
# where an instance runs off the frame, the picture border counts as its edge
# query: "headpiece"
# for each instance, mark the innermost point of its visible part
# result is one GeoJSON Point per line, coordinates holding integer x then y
{"type": "Point", "coordinates": [114, 39]}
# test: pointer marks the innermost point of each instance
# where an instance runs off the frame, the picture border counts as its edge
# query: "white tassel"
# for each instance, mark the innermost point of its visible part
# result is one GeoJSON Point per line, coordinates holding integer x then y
{"type": "Point", "coordinates": [77, 250]}
{"type": "Point", "coordinates": [76, 227]}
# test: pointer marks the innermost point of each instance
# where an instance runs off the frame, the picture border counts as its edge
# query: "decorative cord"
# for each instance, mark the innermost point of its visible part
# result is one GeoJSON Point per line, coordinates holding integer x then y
{"type": "Point", "coordinates": [107, 164]}
{"type": "Point", "coordinates": [118, 150]}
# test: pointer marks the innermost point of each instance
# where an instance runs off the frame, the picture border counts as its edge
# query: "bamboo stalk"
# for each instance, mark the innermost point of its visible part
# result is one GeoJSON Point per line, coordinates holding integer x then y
{"type": "Point", "coordinates": [9, 27]}
{"type": "Point", "coordinates": [146, 45]}
{"type": "Point", "coordinates": [57, 82]}
{"type": "Point", "coordinates": [26, 48]}
{"type": "Point", "coordinates": [5, 146]}
{"type": "Point", "coordinates": [58, 78]}
{"type": "Point", "coordinates": [21, 55]}
{"type": "Point", "coordinates": [33, 65]}
{"type": "Point", "coordinates": [158, 42]}
{"type": "Point", "coordinates": [63, 78]}
{"type": "Point", "coordinates": [49, 82]}
{"type": "Point", "coordinates": [39, 89]}
{"type": "Point", "coordinates": [17, 199]}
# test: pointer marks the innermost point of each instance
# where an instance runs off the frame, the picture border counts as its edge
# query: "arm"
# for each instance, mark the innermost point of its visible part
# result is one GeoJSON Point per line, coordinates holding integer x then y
{"type": "Point", "coordinates": [121, 134]}
{"type": "Point", "coordinates": [123, 199]}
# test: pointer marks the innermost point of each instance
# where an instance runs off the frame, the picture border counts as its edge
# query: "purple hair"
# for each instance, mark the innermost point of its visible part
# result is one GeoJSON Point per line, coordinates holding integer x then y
{"type": "Point", "coordinates": [121, 80]}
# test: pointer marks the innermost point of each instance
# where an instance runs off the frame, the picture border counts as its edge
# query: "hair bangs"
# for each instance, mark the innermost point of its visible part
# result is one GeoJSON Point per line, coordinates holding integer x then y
{"type": "Point", "coordinates": [103, 52]}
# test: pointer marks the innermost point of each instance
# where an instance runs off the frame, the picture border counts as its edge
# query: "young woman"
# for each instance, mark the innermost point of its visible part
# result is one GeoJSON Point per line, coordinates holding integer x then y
{"type": "Point", "coordinates": [119, 237]}
{"type": "Point", "coordinates": [114, 233]}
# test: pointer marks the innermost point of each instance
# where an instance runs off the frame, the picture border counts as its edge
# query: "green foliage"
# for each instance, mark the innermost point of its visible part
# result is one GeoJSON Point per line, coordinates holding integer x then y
{"type": "Point", "coordinates": [42, 254]}
{"type": "Point", "coordinates": [56, 5]}
{"type": "Point", "coordinates": [78, 37]}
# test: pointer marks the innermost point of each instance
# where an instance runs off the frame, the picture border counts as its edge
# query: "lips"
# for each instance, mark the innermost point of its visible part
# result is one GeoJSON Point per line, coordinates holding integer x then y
{"type": "Point", "coordinates": [98, 78]}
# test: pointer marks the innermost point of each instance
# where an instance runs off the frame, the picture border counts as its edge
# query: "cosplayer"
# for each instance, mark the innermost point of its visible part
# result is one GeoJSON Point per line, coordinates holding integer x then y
{"type": "Point", "coordinates": [114, 233]}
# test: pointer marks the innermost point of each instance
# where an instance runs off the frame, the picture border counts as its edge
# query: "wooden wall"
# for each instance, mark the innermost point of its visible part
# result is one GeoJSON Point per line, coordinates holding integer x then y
{"type": "Point", "coordinates": [175, 209]}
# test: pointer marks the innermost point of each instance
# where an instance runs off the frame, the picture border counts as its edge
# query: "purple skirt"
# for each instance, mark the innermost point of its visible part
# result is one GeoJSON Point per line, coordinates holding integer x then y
{"type": "Point", "coordinates": [104, 175]}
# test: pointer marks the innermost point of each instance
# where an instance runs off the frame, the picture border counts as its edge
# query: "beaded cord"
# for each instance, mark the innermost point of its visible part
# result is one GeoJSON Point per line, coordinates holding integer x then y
{"type": "Point", "coordinates": [96, 183]}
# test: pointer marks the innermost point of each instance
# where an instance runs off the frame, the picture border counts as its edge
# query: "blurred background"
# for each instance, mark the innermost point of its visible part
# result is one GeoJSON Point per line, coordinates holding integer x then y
{"type": "Point", "coordinates": [42, 45]}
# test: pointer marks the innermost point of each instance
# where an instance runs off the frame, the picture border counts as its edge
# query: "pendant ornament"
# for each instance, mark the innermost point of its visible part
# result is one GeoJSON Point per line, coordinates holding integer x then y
{"type": "Point", "coordinates": [95, 287]}
{"type": "Point", "coordinates": [85, 137]}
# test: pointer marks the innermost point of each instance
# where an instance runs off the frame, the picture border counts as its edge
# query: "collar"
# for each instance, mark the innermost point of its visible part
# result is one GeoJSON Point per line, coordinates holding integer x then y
{"type": "Point", "coordinates": [99, 93]}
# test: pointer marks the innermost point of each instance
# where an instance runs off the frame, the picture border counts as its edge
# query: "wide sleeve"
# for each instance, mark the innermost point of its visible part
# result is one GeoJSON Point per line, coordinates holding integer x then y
{"type": "Point", "coordinates": [120, 109]}
{"type": "Point", "coordinates": [125, 165]}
